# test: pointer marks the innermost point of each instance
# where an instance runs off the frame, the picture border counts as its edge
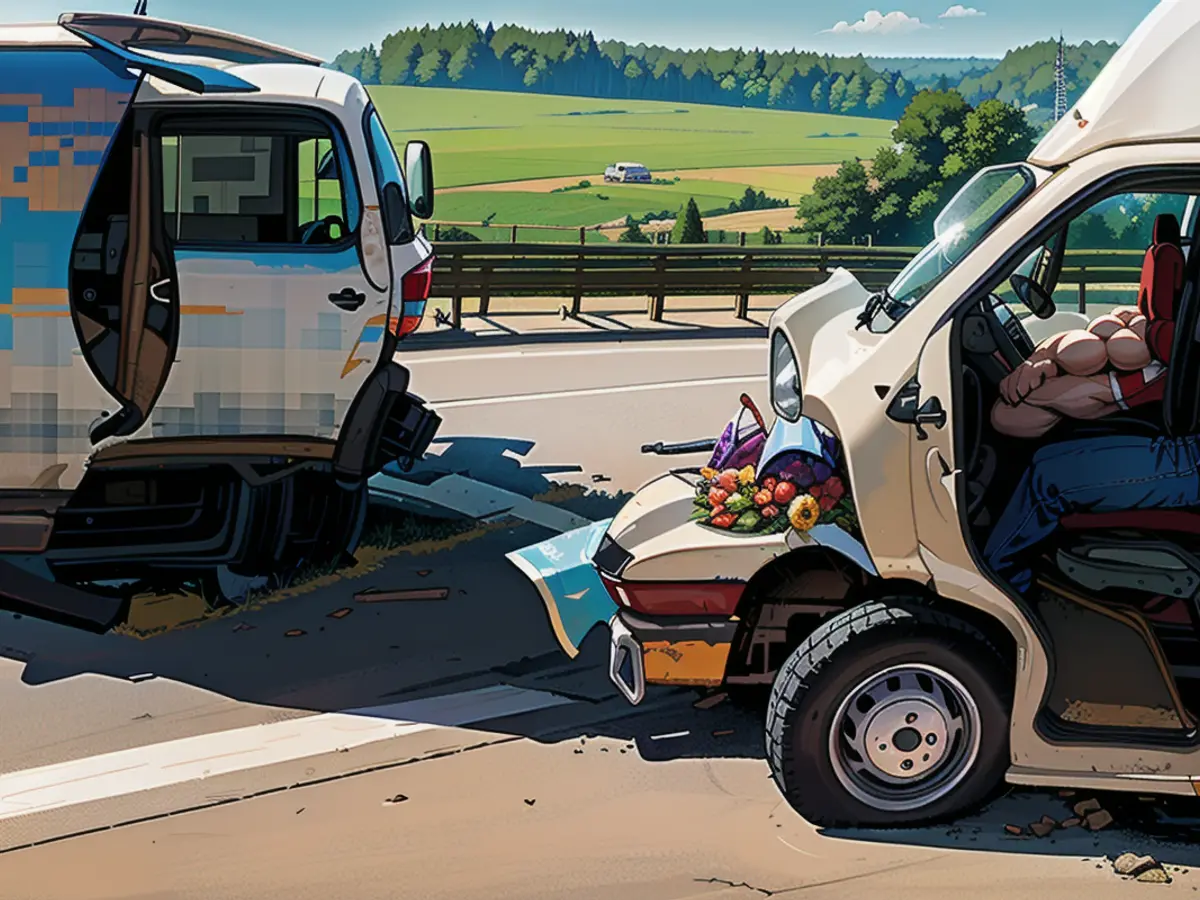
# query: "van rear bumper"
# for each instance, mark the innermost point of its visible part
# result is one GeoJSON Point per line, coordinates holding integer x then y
{"type": "Point", "coordinates": [667, 650]}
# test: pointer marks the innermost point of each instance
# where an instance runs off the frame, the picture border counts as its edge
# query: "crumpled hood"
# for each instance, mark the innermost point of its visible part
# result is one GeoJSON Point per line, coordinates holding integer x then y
{"type": "Point", "coordinates": [656, 528]}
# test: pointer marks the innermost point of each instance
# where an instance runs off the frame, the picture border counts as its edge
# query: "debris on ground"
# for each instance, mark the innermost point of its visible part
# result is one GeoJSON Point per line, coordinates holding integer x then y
{"type": "Point", "coordinates": [1141, 868]}
{"type": "Point", "coordinates": [242, 626]}
{"type": "Point", "coordinates": [1066, 795]}
{"type": "Point", "coordinates": [144, 676]}
{"type": "Point", "coordinates": [530, 802]}
{"type": "Point", "coordinates": [1043, 826]}
{"type": "Point", "coordinates": [425, 573]}
{"type": "Point", "coordinates": [1073, 822]}
{"type": "Point", "coordinates": [392, 801]}
{"type": "Point", "coordinates": [1098, 820]}
{"type": "Point", "coordinates": [341, 613]}
{"type": "Point", "coordinates": [1014, 830]}
{"type": "Point", "coordinates": [295, 632]}
{"type": "Point", "coordinates": [376, 596]}
{"type": "Point", "coordinates": [711, 700]}
{"type": "Point", "coordinates": [725, 732]}
{"type": "Point", "coordinates": [1083, 807]}
{"type": "Point", "coordinates": [599, 479]}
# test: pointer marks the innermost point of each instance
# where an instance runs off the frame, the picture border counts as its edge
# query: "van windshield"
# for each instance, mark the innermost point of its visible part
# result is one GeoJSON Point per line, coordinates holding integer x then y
{"type": "Point", "coordinates": [973, 212]}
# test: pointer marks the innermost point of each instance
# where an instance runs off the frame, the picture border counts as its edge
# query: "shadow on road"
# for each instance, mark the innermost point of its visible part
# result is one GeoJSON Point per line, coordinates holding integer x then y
{"type": "Point", "coordinates": [327, 650]}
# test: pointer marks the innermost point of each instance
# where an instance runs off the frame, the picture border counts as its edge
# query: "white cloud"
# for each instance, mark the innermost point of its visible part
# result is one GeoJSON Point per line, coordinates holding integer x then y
{"type": "Point", "coordinates": [958, 11]}
{"type": "Point", "coordinates": [875, 22]}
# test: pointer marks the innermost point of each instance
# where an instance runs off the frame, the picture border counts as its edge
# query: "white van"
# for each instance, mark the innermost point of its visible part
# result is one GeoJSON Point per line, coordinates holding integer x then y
{"type": "Point", "coordinates": [628, 172]}
{"type": "Point", "coordinates": [939, 602]}
{"type": "Point", "coordinates": [207, 257]}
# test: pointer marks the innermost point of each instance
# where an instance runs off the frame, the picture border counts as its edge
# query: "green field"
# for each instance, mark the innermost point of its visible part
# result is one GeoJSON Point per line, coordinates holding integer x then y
{"type": "Point", "coordinates": [483, 137]}
{"type": "Point", "coordinates": [590, 206]}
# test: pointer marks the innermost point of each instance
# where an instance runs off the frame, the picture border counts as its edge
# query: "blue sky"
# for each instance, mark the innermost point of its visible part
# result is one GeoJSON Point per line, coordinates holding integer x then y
{"type": "Point", "coordinates": [905, 27]}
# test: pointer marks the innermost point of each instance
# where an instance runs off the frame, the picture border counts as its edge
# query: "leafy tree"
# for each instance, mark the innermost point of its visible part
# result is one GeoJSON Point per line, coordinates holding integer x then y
{"type": "Point", "coordinates": [461, 62]}
{"type": "Point", "coordinates": [429, 67]}
{"type": "Point", "coordinates": [369, 73]}
{"type": "Point", "coordinates": [818, 95]}
{"type": "Point", "coordinates": [877, 93]}
{"type": "Point", "coordinates": [770, 237]}
{"type": "Point", "coordinates": [837, 94]}
{"type": "Point", "coordinates": [855, 91]}
{"type": "Point", "coordinates": [839, 206]}
{"type": "Point", "coordinates": [633, 233]}
{"type": "Point", "coordinates": [689, 227]}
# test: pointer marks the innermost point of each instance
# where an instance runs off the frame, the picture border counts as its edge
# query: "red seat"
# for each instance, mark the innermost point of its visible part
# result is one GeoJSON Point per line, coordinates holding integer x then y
{"type": "Point", "coordinates": [1161, 286]}
{"type": "Point", "coordinates": [1180, 521]}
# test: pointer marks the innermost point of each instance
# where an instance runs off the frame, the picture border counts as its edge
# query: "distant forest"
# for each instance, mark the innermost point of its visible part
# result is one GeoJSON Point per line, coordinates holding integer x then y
{"type": "Point", "coordinates": [511, 58]}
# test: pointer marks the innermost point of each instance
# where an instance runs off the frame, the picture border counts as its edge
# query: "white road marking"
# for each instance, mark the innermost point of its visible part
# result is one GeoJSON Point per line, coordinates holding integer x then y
{"type": "Point", "coordinates": [755, 346]}
{"type": "Point", "coordinates": [160, 765]}
{"type": "Point", "coordinates": [594, 392]}
{"type": "Point", "coordinates": [666, 737]}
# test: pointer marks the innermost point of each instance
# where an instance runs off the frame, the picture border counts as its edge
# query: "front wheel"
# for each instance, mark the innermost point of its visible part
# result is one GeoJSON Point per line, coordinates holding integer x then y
{"type": "Point", "coordinates": [889, 714]}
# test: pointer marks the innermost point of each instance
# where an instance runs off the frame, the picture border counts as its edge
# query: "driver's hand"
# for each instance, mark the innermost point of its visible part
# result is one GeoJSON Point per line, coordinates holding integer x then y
{"type": "Point", "coordinates": [1025, 379]}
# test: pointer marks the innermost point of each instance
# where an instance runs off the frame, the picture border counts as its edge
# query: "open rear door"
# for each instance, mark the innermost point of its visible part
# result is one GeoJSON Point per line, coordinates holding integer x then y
{"type": "Point", "coordinates": [148, 45]}
{"type": "Point", "coordinates": [141, 34]}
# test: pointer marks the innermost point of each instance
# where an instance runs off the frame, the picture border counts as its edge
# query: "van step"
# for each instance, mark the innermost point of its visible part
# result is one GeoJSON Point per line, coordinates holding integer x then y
{"type": "Point", "coordinates": [23, 592]}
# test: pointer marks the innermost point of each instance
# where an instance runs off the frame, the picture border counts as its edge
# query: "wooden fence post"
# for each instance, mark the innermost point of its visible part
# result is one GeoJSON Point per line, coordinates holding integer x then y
{"type": "Point", "coordinates": [582, 234]}
{"type": "Point", "coordinates": [437, 231]}
{"type": "Point", "coordinates": [658, 300]}
{"type": "Point", "coordinates": [1083, 289]}
{"type": "Point", "coordinates": [741, 308]}
{"type": "Point", "coordinates": [577, 298]}
{"type": "Point", "coordinates": [514, 234]}
{"type": "Point", "coordinates": [820, 239]}
{"type": "Point", "coordinates": [741, 239]}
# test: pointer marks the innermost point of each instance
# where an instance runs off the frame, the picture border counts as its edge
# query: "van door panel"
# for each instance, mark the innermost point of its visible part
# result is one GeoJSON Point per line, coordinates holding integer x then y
{"type": "Point", "coordinates": [59, 111]}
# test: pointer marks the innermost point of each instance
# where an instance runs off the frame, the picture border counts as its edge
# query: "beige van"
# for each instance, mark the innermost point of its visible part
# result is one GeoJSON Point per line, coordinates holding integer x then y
{"type": "Point", "coordinates": [910, 676]}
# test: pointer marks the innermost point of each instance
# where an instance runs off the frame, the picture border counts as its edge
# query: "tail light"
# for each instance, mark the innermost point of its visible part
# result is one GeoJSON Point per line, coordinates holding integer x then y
{"type": "Point", "coordinates": [414, 293]}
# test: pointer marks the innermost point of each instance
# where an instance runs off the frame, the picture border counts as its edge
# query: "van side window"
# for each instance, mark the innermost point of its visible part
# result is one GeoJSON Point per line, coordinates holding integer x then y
{"type": "Point", "coordinates": [256, 187]}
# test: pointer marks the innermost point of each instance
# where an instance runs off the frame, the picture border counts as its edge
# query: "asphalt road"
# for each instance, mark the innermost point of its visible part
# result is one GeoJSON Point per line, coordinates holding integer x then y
{"type": "Point", "coordinates": [320, 746]}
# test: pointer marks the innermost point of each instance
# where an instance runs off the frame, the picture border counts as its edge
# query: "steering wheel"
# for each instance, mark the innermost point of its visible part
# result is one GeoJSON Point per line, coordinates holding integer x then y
{"type": "Point", "coordinates": [322, 229]}
{"type": "Point", "coordinates": [1010, 335]}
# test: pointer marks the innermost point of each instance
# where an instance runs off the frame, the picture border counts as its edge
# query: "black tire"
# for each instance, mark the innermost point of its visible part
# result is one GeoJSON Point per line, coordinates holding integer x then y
{"type": "Point", "coordinates": [842, 656]}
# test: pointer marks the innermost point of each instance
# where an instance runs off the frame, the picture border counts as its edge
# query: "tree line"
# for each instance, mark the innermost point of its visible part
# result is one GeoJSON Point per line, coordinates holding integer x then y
{"type": "Point", "coordinates": [512, 58]}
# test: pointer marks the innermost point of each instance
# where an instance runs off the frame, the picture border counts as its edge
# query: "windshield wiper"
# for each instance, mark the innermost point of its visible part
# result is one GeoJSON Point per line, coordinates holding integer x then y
{"type": "Point", "coordinates": [875, 303]}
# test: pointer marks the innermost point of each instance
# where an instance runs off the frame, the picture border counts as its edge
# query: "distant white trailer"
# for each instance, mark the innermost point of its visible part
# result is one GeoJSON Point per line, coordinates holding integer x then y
{"type": "Point", "coordinates": [627, 171]}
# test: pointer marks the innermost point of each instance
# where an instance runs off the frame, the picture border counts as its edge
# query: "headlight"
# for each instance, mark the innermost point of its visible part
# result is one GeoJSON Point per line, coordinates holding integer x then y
{"type": "Point", "coordinates": [785, 379]}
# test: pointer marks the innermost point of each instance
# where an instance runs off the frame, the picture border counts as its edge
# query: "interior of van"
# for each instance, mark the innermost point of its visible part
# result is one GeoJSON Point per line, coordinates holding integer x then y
{"type": "Point", "coordinates": [1113, 585]}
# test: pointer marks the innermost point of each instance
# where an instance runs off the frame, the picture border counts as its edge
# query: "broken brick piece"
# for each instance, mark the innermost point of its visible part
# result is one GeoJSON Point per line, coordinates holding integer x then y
{"type": "Point", "coordinates": [295, 632]}
{"type": "Point", "coordinates": [1083, 807]}
{"type": "Point", "coordinates": [710, 701]}
{"type": "Point", "coordinates": [1132, 864]}
{"type": "Point", "coordinates": [1098, 820]}
{"type": "Point", "coordinates": [395, 596]}
{"type": "Point", "coordinates": [1014, 829]}
{"type": "Point", "coordinates": [341, 613]}
{"type": "Point", "coordinates": [1041, 829]}
{"type": "Point", "coordinates": [1156, 875]}
{"type": "Point", "coordinates": [1072, 822]}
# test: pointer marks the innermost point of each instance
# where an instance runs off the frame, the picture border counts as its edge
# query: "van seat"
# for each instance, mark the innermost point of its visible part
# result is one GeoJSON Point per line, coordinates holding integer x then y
{"type": "Point", "coordinates": [1179, 521]}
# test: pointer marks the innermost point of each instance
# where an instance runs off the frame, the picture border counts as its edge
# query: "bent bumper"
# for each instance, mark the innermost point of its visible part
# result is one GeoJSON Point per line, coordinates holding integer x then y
{"type": "Point", "coordinates": [644, 651]}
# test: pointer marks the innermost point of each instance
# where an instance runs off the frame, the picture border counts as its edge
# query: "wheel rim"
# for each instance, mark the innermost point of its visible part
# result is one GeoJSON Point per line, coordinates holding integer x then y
{"type": "Point", "coordinates": [905, 737]}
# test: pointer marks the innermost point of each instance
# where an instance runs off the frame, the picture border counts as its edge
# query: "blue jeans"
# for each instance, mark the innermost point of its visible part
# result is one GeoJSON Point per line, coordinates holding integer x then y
{"type": "Point", "coordinates": [1090, 475]}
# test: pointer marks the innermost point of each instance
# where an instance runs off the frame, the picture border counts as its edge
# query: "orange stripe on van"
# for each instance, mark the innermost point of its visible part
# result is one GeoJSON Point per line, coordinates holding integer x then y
{"type": "Point", "coordinates": [40, 297]}
{"type": "Point", "coordinates": [42, 314]}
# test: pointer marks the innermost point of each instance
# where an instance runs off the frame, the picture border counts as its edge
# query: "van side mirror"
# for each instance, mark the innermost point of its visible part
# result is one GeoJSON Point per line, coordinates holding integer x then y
{"type": "Point", "coordinates": [418, 172]}
{"type": "Point", "coordinates": [1033, 296]}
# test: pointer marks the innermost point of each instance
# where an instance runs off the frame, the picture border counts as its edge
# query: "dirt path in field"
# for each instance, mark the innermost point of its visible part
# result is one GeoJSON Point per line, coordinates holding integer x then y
{"type": "Point", "coordinates": [750, 175]}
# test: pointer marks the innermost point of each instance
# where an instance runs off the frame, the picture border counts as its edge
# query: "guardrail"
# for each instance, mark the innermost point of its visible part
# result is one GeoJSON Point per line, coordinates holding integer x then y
{"type": "Point", "coordinates": [480, 270]}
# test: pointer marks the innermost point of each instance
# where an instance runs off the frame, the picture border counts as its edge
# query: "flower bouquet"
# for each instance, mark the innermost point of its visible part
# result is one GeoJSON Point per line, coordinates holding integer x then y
{"type": "Point", "coordinates": [800, 491]}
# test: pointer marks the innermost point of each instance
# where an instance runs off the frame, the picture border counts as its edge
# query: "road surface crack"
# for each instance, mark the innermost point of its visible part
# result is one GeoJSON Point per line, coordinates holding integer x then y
{"type": "Point", "coordinates": [736, 884]}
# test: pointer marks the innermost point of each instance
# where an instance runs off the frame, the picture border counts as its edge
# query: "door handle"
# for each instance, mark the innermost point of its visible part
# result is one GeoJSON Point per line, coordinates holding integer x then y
{"type": "Point", "coordinates": [348, 299]}
{"type": "Point", "coordinates": [163, 291]}
{"type": "Point", "coordinates": [930, 413]}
